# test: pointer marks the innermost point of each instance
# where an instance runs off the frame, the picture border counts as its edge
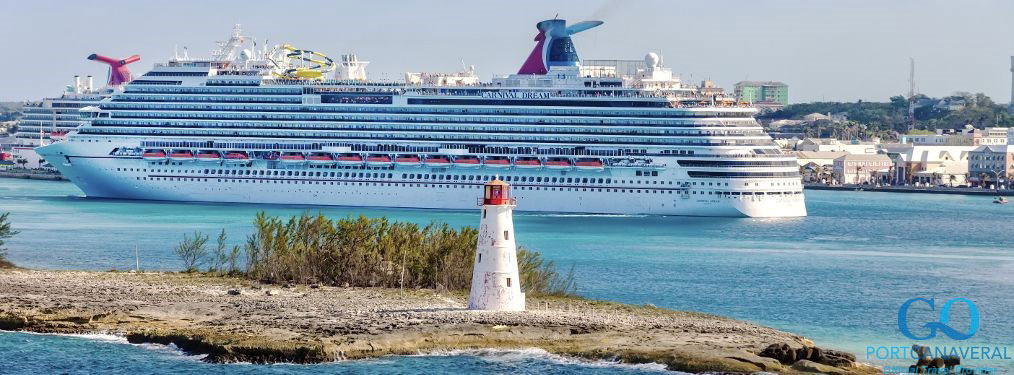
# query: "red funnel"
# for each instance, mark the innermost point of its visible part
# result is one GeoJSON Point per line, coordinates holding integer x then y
{"type": "Point", "coordinates": [118, 72]}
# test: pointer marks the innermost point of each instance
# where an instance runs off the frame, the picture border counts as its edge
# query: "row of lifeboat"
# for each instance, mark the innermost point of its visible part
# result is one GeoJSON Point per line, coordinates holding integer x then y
{"type": "Point", "coordinates": [376, 160]}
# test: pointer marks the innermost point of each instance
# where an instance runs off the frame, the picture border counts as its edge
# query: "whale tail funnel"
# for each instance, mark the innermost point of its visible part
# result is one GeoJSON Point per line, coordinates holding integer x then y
{"type": "Point", "coordinates": [553, 46]}
{"type": "Point", "coordinates": [118, 72]}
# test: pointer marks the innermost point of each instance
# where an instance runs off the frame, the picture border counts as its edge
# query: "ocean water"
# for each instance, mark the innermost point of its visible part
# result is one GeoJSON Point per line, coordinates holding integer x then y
{"type": "Point", "coordinates": [837, 276]}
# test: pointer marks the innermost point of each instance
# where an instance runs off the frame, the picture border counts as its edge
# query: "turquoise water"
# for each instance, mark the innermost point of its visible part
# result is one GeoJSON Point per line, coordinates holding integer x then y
{"type": "Point", "coordinates": [837, 276]}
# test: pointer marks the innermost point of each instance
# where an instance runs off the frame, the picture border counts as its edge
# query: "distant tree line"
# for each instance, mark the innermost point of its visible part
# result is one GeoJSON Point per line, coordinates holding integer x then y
{"type": "Point", "coordinates": [361, 252]}
{"type": "Point", "coordinates": [885, 119]}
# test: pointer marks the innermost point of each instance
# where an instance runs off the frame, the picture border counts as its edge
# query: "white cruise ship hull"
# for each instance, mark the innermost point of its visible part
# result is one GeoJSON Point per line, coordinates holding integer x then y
{"type": "Point", "coordinates": [100, 175]}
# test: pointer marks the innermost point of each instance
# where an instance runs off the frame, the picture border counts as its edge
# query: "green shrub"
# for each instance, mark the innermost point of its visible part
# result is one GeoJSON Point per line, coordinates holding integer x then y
{"type": "Point", "coordinates": [6, 231]}
{"type": "Point", "coordinates": [376, 252]}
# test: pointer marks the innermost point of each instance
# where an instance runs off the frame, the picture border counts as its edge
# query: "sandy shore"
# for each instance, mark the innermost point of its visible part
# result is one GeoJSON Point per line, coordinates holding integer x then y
{"type": "Point", "coordinates": [266, 323]}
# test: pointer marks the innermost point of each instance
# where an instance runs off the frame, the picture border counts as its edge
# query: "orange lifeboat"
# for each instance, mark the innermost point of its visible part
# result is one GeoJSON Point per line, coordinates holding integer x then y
{"type": "Point", "coordinates": [378, 160]}
{"type": "Point", "coordinates": [181, 155]}
{"type": "Point", "coordinates": [292, 158]}
{"type": "Point", "coordinates": [321, 158]}
{"type": "Point", "coordinates": [589, 164]}
{"type": "Point", "coordinates": [208, 156]}
{"type": "Point", "coordinates": [154, 155]}
{"type": "Point", "coordinates": [527, 162]}
{"type": "Point", "coordinates": [407, 160]}
{"type": "Point", "coordinates": [437, 161]}
{"type": "Point", "coordinates": [559, 163]}
{"type": "Point", "coordinates": [350, 159]}
{"type": "Point", "coordinates": [236, 157]}
{"type": "Point", "coordinates": [467, 161]}
{"type": "Point", "coordinates": [497, 162]}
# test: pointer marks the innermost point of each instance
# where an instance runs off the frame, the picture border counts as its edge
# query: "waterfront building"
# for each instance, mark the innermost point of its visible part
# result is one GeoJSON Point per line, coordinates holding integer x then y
{"type": "Point", "coordinates": [990, 137]}
{"type": "Point", "coordinates": [834, 145]}
{"type": "Point", "coordinates": [821, 158]}
{"type": "Point", "coordinates": [929, 164]}
{"type": "Point", "coordinates": [766, 93]}
{"type": "Point", "coordinates": [989, 164]}
{"type": "Point", "coordinates": [860, 169]}
{"type": "Point", "coordinates": [817, 166]}
{"type": "Point", "coordinates": [496, 284]}
{"type": "Point", "coordinates": [939, 139]}
{"type": "Point", "coordinates": [261, 124]}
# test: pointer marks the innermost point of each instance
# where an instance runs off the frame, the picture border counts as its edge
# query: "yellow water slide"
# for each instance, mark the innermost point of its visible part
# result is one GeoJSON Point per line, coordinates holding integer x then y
{"type": "Point", "coordinates": [311, 64]}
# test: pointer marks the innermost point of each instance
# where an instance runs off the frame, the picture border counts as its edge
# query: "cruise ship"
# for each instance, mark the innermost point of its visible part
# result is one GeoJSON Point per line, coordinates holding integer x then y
{"type": "Point", "coordinates": [51, 119]}
{"type": "Point", "coordinates": [271, 124]}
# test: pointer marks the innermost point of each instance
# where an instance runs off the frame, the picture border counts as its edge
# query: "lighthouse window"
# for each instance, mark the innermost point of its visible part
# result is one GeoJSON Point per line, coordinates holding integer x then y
{"type": "Point", "coordinates": [480, 254]}
{"type": "Point", "coordinates": [483, 215]}
{"type": "Point", "coordinates": [508, 282]}
{"type": "Point", "coordinates": [506, 235]}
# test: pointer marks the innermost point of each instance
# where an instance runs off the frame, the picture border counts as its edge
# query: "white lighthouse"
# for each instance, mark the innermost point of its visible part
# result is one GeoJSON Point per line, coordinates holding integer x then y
{"type": "Point", "coordinates": [495, 282]}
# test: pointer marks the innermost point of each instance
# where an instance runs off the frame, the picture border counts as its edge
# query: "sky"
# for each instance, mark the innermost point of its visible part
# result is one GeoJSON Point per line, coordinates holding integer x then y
{"type": "Point", "coordinates": [824, 50]}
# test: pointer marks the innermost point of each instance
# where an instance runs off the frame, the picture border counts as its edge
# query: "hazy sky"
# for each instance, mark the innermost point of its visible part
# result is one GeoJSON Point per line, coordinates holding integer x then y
{"type": "Point", "coordinates": [824, 50]}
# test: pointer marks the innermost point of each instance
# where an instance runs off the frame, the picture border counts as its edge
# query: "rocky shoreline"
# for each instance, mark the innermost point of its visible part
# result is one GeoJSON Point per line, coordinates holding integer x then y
{"type": "Point", "coordinates": [231, 319]}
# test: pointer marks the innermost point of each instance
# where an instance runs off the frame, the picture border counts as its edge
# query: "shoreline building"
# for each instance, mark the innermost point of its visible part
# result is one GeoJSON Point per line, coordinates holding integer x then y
{"type": "Point", "coordinates": [834, 145]}
{"type": "Point", "coordinates": [863, 168]}
{"type": "Point", "coordinates": [987, 164]}
{"type": "Point", "coordinates": [990, 137]}
{"type": "Point", "coordinates": [941, 138]}
{"type": "Point", "coordinates": [763, 94]}
{"type": "Point", "coordinates": [929, 164]}
{"type": "Point", "coordinates": [496, 284]}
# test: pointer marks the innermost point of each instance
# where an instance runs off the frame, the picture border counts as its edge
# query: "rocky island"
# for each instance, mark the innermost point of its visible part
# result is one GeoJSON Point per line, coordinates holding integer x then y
{"type": "Point", "coordinates": [233, 319]}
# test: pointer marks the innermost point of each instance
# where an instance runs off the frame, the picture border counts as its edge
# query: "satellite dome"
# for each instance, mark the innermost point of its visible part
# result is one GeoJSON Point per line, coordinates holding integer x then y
{"type": "Point", "coordinates": [651, 60]}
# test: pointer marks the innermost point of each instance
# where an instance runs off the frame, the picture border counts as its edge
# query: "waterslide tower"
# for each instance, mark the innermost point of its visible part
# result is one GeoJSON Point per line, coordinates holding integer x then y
{"type": "Point", "coordinates": [496, 285]}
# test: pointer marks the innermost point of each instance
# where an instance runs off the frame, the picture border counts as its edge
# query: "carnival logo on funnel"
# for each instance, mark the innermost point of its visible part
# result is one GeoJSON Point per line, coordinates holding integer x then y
{"type": "Point", "coordinates": [942, 324]}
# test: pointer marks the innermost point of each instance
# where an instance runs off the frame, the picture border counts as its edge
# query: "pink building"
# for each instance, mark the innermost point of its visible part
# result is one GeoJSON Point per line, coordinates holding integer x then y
{"type": "Point", "coordinates": [858, 169]}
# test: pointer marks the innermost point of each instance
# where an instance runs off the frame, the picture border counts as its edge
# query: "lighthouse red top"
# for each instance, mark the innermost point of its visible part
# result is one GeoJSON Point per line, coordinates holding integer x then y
{"type": "Point", "coordinates": [497, 192]}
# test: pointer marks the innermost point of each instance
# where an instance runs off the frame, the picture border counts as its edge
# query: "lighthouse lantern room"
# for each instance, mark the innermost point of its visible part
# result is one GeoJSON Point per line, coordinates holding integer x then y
{"type": "Point", "coordinates": [495, 282]}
